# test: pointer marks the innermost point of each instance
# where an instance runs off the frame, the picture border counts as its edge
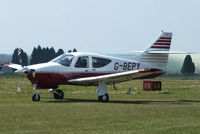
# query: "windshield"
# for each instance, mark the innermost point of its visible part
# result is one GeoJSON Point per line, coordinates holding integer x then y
{"type": "Point", "coordinates": [64, 59]}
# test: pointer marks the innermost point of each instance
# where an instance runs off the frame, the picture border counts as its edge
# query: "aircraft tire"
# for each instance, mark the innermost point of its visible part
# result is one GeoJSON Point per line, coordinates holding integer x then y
{"type": "Point", "coordinates": [104, 98]}
{"type": "Point", "coordinates": [59, 94]}
{"type": "Point", "coordinates": [36, 97]}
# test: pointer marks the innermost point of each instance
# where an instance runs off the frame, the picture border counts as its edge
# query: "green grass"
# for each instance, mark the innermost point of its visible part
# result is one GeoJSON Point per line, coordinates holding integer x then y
{"type": "Point", "coordinates": [175, 110]}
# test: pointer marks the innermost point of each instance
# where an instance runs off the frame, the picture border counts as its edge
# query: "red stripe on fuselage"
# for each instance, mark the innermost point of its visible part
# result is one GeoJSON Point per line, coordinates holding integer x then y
{"type": "Point", "coordinates": [52, 80]}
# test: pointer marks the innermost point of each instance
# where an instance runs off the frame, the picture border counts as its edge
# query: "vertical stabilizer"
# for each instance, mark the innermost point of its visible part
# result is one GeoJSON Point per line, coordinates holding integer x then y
{"type": "Point", "coordinates": [156, 54]}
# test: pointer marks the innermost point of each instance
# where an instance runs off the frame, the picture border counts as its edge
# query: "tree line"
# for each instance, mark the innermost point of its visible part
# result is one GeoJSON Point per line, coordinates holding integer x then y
{"type": "Point", "coordinates": [38, 55]}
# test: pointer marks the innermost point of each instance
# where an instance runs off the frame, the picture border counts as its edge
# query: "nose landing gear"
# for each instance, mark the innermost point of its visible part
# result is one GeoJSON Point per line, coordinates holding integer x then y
{"type": "Point", "coordinates": [36, 96]}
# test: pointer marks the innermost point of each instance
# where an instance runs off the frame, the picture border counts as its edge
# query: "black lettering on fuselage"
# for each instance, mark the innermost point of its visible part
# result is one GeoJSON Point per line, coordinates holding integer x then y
{"type": "Point", "coordinates": [129, 66]}
{"type": "Point", "coordinates": [126, 66]}
{"type": "Point", "coordinates": [116, 66]}
{"type": "Point", "coordinates": [133, 65]}
{"type": "Point", "coordinates": [138, 66]}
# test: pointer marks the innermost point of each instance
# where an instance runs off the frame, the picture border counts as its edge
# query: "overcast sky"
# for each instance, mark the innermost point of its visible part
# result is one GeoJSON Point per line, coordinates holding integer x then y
{"type": "Point", "coordinates": [100, 26]}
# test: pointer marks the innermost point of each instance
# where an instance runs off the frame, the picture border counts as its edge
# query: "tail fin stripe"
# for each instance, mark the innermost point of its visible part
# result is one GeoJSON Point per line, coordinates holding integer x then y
{"type": "Point", "coordinates": [163, 41]}
{"type": "Point", "coordinates": [160, 47]}
{"type": "Point", "coordinates": [162, 44]}
{"type": "Point", "coordinates": [165, 38]}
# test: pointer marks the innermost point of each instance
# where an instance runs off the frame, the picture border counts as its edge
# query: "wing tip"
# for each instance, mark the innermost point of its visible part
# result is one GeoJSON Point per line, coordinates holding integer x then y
{"type": "Point", "coordinates": [7, 64]}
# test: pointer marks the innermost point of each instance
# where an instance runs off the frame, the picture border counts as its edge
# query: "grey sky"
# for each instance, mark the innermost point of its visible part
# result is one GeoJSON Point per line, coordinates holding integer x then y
{"type": "Point", "coordinates": [102, 26]}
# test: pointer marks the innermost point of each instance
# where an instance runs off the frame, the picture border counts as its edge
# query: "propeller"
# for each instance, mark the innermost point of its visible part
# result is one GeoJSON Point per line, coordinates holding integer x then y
{"type": "Point", "coordinates": [17, 71]}
{"type": "Point", "coordinates": [21, 70]}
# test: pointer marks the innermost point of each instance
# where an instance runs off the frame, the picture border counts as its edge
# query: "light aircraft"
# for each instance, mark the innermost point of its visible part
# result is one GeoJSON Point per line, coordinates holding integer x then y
{"type": "Point", "coordinates": [89, 69]}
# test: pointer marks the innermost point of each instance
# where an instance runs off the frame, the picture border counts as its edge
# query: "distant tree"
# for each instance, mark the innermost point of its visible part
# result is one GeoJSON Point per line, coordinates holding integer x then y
{"type": "Point", "coordinates": [74, 50]}
{"type": "Point", "coordinates": [46, 55]}
{"type": "Point", "coordinates": [39, 58]}
{"type": "Point", "coordinates": [69, 51]}
{"type": "Point", "coordinates": [52, 53]}
{"type": "Point", "coordinates": [34, 55]}
{"type": "Point", "coordinates": [15, 57]}
{"type": "Point", "coordinates": [24, 58]}
{"type": "Point", "coordinates": [188, 66]}
{"type": "Point", "coordinates": [19, 57]}
{"type": "Point", "coordinates": [59, 52]}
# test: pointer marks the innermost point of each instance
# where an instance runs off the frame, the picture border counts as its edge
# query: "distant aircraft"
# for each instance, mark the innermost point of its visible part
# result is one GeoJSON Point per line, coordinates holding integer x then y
{"type": "Point", "coordinates": [89, 69]}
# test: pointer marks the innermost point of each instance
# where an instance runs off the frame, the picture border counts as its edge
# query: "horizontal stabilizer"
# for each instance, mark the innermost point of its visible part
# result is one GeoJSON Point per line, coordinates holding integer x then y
{"type": "Point", "coordinates": [137, 51]}
{"type": "Point", "coordinates": [168, 52]}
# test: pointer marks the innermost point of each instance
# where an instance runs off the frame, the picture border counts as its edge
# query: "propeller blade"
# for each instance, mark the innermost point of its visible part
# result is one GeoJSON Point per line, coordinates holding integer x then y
{"type": "Point", "coordinates": [18, 89]}
{"type": "Point", "coordinates": [19, 85]}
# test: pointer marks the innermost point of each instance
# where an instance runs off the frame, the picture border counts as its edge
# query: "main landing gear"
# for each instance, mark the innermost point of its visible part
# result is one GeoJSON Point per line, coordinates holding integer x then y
{"type": "Point", "coordinates": [101, 92]}
{"type": "Point", "coordinates": [58, 94]}
{"type": "Point", "coordinates": [103, 98]}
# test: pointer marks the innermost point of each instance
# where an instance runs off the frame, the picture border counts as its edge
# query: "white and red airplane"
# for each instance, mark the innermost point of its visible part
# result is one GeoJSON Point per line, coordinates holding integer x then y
{"type": "Point", "coordinates": [97, 70]}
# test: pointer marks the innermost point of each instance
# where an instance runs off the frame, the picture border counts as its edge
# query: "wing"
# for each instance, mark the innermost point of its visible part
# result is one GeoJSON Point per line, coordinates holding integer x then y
{"type": "Point", "coordinates": [14, 66]}
{"type": "Point", "coordinates": [118, 77]}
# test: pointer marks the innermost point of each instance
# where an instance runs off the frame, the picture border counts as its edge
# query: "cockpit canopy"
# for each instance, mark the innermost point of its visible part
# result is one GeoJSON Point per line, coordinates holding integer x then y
{"type": "Point", "coordinates": [82, 61]}
{"type": "Point", "coordinates": [64, 59]}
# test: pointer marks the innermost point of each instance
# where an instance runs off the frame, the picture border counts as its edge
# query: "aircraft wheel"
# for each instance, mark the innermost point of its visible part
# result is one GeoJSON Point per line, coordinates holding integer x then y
{"type": "Point", "coordinates": [58, 94]}
{"type": "Point", "coordinates": [36, 97]}
{"type": "Point", "coordinates": [104, 98]}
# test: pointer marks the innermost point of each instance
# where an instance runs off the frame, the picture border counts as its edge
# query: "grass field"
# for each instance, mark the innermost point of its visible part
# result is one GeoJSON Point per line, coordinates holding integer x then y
{"type": "Point", "coordinates": [175, 110]}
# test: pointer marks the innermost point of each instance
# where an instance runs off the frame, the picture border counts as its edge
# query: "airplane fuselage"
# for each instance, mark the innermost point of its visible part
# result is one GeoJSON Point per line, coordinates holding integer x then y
{"type": "Point", "coordinates": [53, 73]}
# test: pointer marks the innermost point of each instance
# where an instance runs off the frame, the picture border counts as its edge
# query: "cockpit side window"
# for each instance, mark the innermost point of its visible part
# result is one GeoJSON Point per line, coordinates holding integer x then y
{"type": "Point", "coordinates": [64, 59]}
{"type": "Point", "coordinates": [99, 62]}
{"type": "Point", "coordinates": [82, 62]}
